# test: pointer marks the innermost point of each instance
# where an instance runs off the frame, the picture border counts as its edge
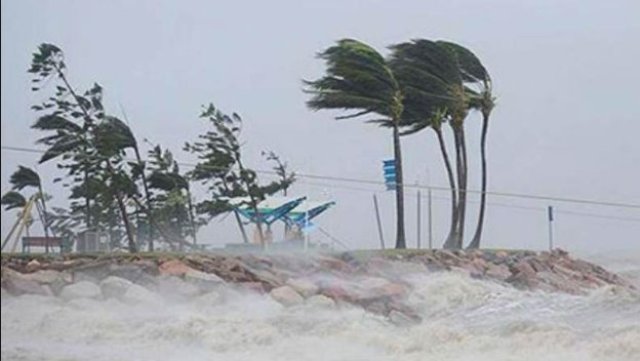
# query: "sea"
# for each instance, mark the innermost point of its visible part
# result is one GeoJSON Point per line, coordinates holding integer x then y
{"type": "Point", "coordinates": [463, 319]}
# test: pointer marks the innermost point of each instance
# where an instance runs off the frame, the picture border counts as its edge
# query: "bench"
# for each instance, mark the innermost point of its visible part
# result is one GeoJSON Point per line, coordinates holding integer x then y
{"type": "Point", "coordinates": [28, 242]}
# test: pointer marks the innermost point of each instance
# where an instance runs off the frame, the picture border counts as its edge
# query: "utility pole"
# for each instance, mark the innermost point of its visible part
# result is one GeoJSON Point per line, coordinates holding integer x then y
{"type": "Point", "coordinates": [430, 219]}
{"type": "Point", "coordinates": [375, 205]}
{"type": "Point", "coordinates": [550, 214]}
{"type": "Point", "coordinates": [419, 220]}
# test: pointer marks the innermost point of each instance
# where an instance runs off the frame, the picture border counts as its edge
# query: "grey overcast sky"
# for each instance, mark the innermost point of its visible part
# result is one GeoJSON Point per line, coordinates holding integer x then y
{"type": "Point", "coordinates": [565, 71]}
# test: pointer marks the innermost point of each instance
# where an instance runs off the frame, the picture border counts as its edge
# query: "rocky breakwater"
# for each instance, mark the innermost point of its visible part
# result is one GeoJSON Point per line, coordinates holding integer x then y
{"type": "Point", "coordinates": [374, 280]}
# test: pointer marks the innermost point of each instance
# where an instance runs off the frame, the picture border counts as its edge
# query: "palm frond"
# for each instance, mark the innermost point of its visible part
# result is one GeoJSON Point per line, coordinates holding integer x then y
{"type": "Point", "coordinates": [13, 199]}
{"type": "Point", "coordinates": [357, 78]}
{"type": "Point", "coordinates": [24, 177]}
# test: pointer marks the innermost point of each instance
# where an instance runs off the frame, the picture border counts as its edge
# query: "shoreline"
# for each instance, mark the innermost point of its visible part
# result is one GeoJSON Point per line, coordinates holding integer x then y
{"type": "Point", "coordinates": [372, 280]}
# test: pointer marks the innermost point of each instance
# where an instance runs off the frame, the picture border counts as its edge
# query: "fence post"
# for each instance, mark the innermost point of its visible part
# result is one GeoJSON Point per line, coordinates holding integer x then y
{"type": "Point", "coordinates": [550, 216]}
{"type": "Point", "coordinates": [430, 219]}
{"type": "Point", "coordinates": [419, 223]}
{"type": "Point", "coordinates": [375, 204]}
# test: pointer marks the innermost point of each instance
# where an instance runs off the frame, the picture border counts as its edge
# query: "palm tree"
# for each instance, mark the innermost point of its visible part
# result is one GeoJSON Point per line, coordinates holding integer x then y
{"type": "Point", "coordinates": [479, 89]}
{"type": "Point", "coordinates": [440, 81]}
{"type": "Point", "coordinates": [360, 80]}
{"type": "Point", "coordinates": [434, 94]}
{"type": "Point", "coordinates": [24, 178]}
{"type": "Point", "coordinates": [477, 86]}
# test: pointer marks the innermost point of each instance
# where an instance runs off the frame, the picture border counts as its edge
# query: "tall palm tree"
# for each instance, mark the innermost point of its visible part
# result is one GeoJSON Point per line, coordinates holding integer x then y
{"type": "Point", "coordinates": [479, 89]}
{"type": "Point", "coordinates": [434, 94]}
{"type": "Point", "coordinates": [359, 79]}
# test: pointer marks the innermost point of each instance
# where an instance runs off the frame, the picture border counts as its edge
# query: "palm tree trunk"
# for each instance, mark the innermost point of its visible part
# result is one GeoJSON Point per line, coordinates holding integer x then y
{"type": "Point", "coordinates": [45, 221]}
{"type": "Point", "coordinates": [475, 242]}
{"type": "Point", "coordinates": [192, 218]}
{"type": "Point", "coordinates": [463, 188]}
{"type": "Point", "coordinates": [127, 226]}
{"type": "Point", "coordinates": [254, 203]}
{"type": "Point", "coordinates": [123, 211]}
{"type": "Point", "coordinates": [87, 201]}
{"type": "Point", "coordinates": [457, 238]}
{"type": "Point", "coordinates": [452, 185]}
{"type": "Point", "coordinates": [147, 197]}
{"type": "Point", "coordinates": [245, 239]}
{"type": "Point", "coordinates": [397, 152]}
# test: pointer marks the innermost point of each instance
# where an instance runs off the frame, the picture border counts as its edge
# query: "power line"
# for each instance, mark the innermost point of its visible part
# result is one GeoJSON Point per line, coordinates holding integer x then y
{"type": "Point", "coordinates": [492, 204]}
{"type": "Point", "coordinates": [372, 182]}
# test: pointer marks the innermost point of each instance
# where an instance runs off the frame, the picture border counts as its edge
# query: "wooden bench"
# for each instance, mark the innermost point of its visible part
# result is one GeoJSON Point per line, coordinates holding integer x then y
{"type": "Point", "coordinates": [28, 242]}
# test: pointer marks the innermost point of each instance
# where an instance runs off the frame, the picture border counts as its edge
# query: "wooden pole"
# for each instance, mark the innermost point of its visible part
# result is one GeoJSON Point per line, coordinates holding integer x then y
{"type": "Point", "coordinates": [430, 220]}
{"type": "Point", "coordinates": [419, 221]}
{"type": "Point", "coordinates": [550, 216]}
{"type": "Point", "coordinates": [375, 204]}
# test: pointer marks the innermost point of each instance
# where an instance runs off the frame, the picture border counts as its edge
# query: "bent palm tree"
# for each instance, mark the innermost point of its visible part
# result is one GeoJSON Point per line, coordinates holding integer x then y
{"type": "Point", "coordinates": [479, 89]}
{"type": "Point", "coordinates": [26, 177]}
{"type": "Point", "coordinates": [359, 79]}
{"type": "Point", "coordinates": [434, 93]}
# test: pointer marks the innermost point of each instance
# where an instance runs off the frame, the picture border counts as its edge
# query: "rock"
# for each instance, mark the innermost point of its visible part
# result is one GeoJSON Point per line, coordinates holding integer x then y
{"type": "Point", "coordinates": [567, 272]}
{"type": "Point", "coordinates": [54, 279]}
{"type": "Point", "coordinates": [303, 286]}
{"type": "Point", "coordinates": [92, 272]}
{"type": "Point", "coordinates": [558, 283]}
{"type": "Point", "coordinates": [203, 280]}
{"type": "Point", "coordinates": [33, 265]}
{"type": "Point", "coordinates": [266, 277]}
{"type": "Point", "coordinates": [321, 301]}
{"type": "Point", "coordinates": [480, 264]}
{"type": "Point", "coordinates": [82, 289]}
{"type": "Point", "coordinates": [16, 284]}
{"type": "Point", "coordinates": [209, 299]}
{"type": "Point", "coordinates": [49, 276]}
{"type": "Point", "coordinates": [251, 286]}
{"type": "Point", "coordinates": [174, 267]}
{"type": "Point", "coordinates": [113, 286]}
{"type": "Point", "coordinates": [461, 271]}
{"type": "Point", "coordinates": [449, 257]}
{"type": "Point", "coordinates": [502, 255]}
{"type": "Point", "coordinates": [137, 294]}
{"type": "Point", "coordinates": [175, 287]}
{"type": "Point", "coordinates": [525, 268]}
{"type": "Point", "coordinates": [400, 318]}
{"type": "Point", "coordinates": [473, 269]}
{"type": "Point", "coordinates": [129, 272]}
{"type": "Point", "coordinates": [286, 296]}
{"type": "Point", "coordinates": [538, 265]}
{"type": "Point", "coordinates": [499, 272]}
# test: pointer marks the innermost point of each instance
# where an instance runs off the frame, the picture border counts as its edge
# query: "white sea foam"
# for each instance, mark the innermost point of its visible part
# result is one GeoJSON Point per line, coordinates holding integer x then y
{"type": "Point", "coordinates": [463, 319]}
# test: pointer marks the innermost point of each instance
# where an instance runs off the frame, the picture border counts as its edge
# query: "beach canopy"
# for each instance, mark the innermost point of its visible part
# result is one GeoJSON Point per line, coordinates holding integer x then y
{"type": "Point", "coordinates": [270, 209]}
{"type": "Point", "coordinates": [305, 212]}
{"type": "Point", "coordinates": [294, 211]}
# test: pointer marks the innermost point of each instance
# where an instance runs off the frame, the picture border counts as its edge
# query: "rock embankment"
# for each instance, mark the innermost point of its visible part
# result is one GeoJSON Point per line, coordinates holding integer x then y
{"type": "Point", "coordinates": [373, 280]}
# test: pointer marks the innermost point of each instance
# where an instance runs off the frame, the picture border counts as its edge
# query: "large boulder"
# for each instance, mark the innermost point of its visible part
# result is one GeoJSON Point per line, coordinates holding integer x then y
{"type": "Point", "coordinates": [82, 289]}
{"type": "Point", "coordinates": [286, 296]}
{"type": "Point", "coordinates": [203, 280]}
{"type": "Point", "coordinates": [33, 265]}
{"type": "Point", "coordinates": [54, 279]}
{"type": "Point", "coordinates": [174, 267]}
{"type": "Point", "coordinates": [498, 272]}
{"type": "Point", "coordinates": [92, 271]}
{"type": "Point", "coordinates": [174, 287]}
{"type": "Point", "coordinates": [17, 284]}
{"type": "Point", "coordinates": [113, 286]}
{"type": "Point", "coordinates": [49, 276]}
{"type": "Point", "coordinates": [320, 301]}
{"type": "Point", "coordinates": [136, 294]}
{"type": "Point", "coordinates": [303, 286]}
